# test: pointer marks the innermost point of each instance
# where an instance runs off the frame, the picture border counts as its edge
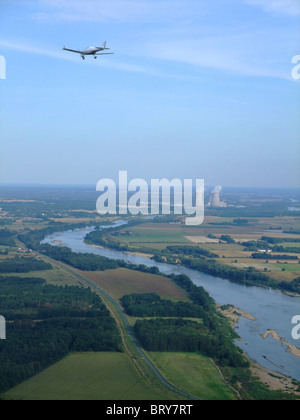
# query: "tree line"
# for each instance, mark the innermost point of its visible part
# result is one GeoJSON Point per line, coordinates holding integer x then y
{"type": "Point", "coordinates": [194, 251]}
{"type": "Point", "coordinates": [268, 256]}
{"type": "Point", "coordinates": [23, 265]}
{"type": "Point", "coordinates": [84, 262]}
{"type": "Point", "coordinates": [151, 305]}
{"type": "Point", "coordinates": [273, 240]}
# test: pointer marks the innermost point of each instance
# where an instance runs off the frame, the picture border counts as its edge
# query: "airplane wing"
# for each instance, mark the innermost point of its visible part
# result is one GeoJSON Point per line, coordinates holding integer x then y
{"type": "Point", "coordinates": [67, 49]}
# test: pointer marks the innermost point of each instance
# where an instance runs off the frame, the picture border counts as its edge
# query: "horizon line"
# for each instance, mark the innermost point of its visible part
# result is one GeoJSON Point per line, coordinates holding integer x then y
{"type": "Point", "coordinates": [67, 185]}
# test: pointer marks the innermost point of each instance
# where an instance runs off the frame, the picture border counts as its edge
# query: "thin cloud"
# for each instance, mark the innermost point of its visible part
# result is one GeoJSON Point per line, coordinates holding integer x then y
{"type": "Point", "coordinates": [35, 50]}
{"type": "Point", "coordinates": [148, 11]}
{"type": "Point", "coordinates": [287, 7]}
{"type": "Point", "coordinates": [241, 53]}
{"type": "Point", "coordinates": [113, 10]}
{"type": "Point", "coordinates": [61, 55]}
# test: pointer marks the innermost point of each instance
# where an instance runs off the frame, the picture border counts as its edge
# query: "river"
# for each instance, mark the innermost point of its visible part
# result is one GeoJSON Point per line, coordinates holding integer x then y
{"type": "Point", "coordinates": [272, 310]}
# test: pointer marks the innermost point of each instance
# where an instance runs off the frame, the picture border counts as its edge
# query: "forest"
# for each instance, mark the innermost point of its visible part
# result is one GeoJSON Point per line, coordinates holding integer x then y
{"type": "Point", "coordinates": [84, 262]}
{"type": "Point", "coordinates": [6, 238]}
{"type": "Point", "coordinates": [180, 335]}
{"type": "Point", "coordinates": [44, 323]}
{"type": "Point", "coordinates": [23, 265]}
{"type": "Point", "coordinates": [150, 304]}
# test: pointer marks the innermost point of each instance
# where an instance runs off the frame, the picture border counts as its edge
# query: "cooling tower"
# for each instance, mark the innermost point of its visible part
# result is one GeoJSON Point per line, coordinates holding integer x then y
{"type": "Point", "coordinates": [214, 199]}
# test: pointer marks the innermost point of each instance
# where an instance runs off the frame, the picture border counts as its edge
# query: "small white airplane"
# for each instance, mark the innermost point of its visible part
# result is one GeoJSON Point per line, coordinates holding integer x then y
{"type": "Point", "coordinates": [91, 51]}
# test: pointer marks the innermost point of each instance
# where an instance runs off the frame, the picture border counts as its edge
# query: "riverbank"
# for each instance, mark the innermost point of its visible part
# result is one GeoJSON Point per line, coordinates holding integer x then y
{"type": "Point", "coordinates": [273, 380]}
{"type": "Point", "coordinates": [96, 246]}
{"type": "Point", "coordinates": [233, 313]}
{"type": "Point", "coordinates": [292, 349]}
{"type": "Point", "coordinates": [297, 295]}
{"type": "Point", "coordinates": [139, 254]}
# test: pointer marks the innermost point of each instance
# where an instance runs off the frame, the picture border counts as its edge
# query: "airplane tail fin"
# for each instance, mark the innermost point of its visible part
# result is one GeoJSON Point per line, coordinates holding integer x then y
{"type": "Point", "coordinates": [103, 46]}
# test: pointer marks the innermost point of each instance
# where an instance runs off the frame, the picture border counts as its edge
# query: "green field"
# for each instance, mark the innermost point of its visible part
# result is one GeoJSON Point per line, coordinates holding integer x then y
{"type": "Point", "coordinates": [295, 268]}
{"type": "Point", "coordinates": [141, 235]}
{"type": "Point", "coordinates": [113, 376]}
{"type": "Point", "coordinates": [290, 244]}
{"type": "Point", "coordinates": [194, 374]}
{"type": "Point", "coordinates": [87, 376]}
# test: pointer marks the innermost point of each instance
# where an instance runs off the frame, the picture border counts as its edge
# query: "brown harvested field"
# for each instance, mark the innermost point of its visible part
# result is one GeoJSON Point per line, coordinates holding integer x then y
{"type": "Point", "coordinates": [123, 281]}
{"type": "Point", "coordinates": [230, 253]}
{"type": "Point", "coordinates": [284, 275]}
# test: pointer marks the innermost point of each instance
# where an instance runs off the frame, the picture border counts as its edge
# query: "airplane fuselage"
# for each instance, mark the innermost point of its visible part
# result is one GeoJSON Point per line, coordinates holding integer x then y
{"type": "Point", "coordinates": [91, 50]}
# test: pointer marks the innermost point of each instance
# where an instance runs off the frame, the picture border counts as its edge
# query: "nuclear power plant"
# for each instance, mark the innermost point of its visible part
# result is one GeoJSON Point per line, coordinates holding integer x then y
{"type": "Point", "coordinates": [214, 198]}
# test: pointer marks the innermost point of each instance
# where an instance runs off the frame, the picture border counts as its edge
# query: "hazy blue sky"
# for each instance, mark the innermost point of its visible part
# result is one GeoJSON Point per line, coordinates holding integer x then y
{"type": "Point", "coordinates": [196, 89]}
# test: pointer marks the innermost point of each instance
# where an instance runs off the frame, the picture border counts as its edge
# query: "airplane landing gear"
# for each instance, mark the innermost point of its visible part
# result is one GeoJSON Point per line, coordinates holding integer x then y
{"type": "Point", "coordinates": [95, 57]}
{"type": "Point", "coordinates": [83, 57]}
